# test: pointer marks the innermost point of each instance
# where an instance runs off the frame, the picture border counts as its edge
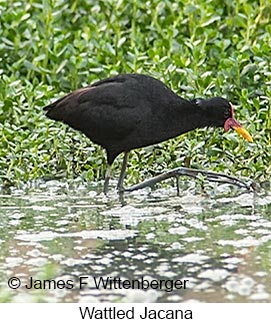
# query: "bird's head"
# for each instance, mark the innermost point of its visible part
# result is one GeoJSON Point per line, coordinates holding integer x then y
{"type": "Point", "coordinates": [222, 113]}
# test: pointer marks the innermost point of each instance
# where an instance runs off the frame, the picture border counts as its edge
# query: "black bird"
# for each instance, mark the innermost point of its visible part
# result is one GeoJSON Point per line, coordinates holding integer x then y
{"type": "Point", "coordinates": [130, 111]}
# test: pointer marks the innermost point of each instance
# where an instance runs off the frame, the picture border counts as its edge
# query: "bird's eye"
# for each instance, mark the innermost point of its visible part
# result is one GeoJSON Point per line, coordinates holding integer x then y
{"type": "Point", "coordinates": [227, 114]}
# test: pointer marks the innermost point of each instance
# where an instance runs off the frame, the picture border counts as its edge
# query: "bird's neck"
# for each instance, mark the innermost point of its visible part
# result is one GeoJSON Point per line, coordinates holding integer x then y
{"type": "Point", "coordinates": [193, 117]}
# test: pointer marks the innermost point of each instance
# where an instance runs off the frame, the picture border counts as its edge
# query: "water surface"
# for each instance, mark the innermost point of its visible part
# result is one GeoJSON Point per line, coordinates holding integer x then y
{"type": "Point", "coordinates": [219, 240]}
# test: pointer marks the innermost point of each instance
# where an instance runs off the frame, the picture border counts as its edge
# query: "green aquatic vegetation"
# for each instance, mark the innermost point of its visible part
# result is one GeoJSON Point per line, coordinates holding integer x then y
{"type": "Point", "coordinates": [198, 48]}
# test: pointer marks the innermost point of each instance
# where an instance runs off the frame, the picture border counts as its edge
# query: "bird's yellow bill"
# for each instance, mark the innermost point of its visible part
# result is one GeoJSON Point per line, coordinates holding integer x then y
{"type": "Point", "coordinates": [243, 132]}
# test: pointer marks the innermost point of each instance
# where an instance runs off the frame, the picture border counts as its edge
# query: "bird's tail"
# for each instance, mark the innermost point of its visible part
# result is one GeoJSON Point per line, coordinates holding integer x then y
{"type": "Point", "coordinates": [58, 109]}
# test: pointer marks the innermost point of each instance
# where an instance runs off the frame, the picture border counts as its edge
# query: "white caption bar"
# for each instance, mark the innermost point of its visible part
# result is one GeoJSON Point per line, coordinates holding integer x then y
{"type": "Point", "coordinates": [105, 312]}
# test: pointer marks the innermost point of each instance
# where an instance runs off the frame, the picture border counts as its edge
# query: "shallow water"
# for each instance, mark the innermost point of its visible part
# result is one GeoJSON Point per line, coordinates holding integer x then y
{"type": "Point", "coordinates": [219, 240]}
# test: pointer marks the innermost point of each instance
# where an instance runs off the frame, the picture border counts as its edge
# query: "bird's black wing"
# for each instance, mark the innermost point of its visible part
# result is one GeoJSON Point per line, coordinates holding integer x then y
{"type": "Point", "coordinates": [106, 111]}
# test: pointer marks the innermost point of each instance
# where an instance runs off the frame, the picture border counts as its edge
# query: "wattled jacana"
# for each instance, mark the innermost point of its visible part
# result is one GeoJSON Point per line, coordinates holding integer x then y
{"type": "Point", "coordinates": [130, 111]}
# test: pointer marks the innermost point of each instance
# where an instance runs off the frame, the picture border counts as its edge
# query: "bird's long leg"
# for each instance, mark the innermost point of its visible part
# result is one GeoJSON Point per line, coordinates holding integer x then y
{"type": "Point", "coordinates": [122, 172]}
{"type": "Point", "coordinates": [107, 178]}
